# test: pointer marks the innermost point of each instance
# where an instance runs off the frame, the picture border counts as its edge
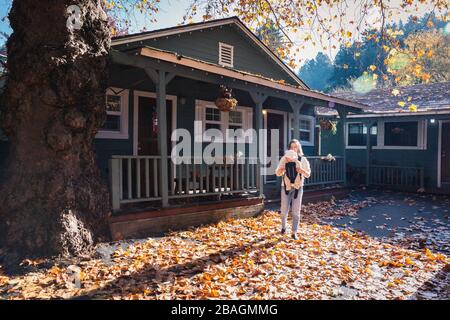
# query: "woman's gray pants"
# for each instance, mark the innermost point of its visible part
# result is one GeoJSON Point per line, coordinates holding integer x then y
{"type": "Point", "coordinates": [288, 201]}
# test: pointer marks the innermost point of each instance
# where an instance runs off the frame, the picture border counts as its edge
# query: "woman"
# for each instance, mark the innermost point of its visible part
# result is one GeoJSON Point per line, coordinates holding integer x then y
{"type": "Point", "coordinates": [291, 194]}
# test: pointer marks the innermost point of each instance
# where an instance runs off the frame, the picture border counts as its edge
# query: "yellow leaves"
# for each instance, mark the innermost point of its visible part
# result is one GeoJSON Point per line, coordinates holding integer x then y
{"type": "Point", "coordinates": [412, 108]}
{"type": "Point", "coordinates": [3, 280]}
{"type": "Point", "coordinates": [372, 67]}
{"type": "Point", "coordinates": [55, 271]}
{"type": "Point", "coordinates": [434, 257]}
{"type": "Point", "coordinates": [347, 269]}
{"type": "Point", "coordinates": [401, 103]}
{"type": "Point", "coordinates": [420, 53]}
{"type": "Point", "coordinates": [408, 261]}
{"type": "Point", "coordinates": [395, 92]}
{"type": "Point", "coordinates": [392, 263]}
{"type": "Point", "coordinates": [391, 285]}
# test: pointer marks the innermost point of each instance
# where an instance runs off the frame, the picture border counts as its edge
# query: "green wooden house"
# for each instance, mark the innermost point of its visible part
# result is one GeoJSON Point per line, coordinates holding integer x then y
{"type": "Point", "coordinates": [167, 79]}
{"type": "Point", "coordinates": [398, 148]}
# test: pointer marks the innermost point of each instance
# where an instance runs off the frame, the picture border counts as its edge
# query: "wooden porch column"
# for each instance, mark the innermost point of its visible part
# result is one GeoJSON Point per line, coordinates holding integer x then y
{"type": "Point", "coordinates": [258, 99]}
{"type": "Point", "coordinates": [343, 116]}
{"type": "Point", "coordinates": [369, 125]}
{"type": "Point", "coordinates": [160, 79]}
{"type": "Point", "coordinates": [296, 108]}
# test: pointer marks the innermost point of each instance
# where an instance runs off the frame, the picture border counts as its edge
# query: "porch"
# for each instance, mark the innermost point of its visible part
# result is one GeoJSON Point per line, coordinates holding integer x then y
{"type": "Point", "coordinates": [165, 92]}
{"type": "Point", "coordinates": [135, 180]}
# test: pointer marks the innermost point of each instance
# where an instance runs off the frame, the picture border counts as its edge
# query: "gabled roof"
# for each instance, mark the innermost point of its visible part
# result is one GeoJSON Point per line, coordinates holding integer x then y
{"type": "Point", "coordinates": [204, 25]}
{"type": "Point", "coordinates": [429, 97]}
{"type": "Point", "coordinates": [192, 63]}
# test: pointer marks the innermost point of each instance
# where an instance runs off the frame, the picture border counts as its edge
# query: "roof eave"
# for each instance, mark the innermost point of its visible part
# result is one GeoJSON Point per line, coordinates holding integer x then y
{"type": "Point", "coordinates": [210, 24]}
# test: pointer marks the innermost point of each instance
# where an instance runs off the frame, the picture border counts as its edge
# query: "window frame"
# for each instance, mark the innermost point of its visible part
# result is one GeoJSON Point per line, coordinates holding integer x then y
{"type": "Point", "coordinates": [247, 120]}
{"type": "Point", "coordinates": [304, 143]}
{"type": "Point", "coordinates": [347, 132]}
{"type": "Point", "coordinates": [123, 114]}
{"type": "Point", "coordinates": [422, 135]}
{"type": "Point", "coordinates": [227, 47]}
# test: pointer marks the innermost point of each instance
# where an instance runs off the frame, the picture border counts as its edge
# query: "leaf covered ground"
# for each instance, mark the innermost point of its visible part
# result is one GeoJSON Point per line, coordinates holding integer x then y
{"type": "Point", "coordinates": [247, 259]}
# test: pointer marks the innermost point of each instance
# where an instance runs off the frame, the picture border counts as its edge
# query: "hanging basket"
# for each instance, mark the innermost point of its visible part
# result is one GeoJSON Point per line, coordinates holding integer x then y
{"type": "Point", "coordinates": [226, 104]}
{"type": "Point", "coordinates": [328, 125]}
{"type": "Point", "coordinates": [325, 125]}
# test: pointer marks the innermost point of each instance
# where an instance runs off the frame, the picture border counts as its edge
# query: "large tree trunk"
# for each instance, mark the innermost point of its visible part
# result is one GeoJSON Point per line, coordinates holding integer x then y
{"type": "Point", "coordinates": [53, 200]}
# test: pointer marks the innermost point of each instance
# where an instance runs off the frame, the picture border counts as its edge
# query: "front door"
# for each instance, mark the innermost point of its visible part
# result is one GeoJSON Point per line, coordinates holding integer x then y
{"type": "Point", "coordinates": [275, 121]}
{"type": "Point", "coordinates": [445, 155]}
{"type": "Point", "coordinates": [148, 126]}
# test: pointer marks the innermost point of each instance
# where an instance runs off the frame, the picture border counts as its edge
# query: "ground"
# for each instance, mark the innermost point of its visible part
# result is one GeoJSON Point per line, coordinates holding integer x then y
{"type": "Point", "coordinates": [372, 245]}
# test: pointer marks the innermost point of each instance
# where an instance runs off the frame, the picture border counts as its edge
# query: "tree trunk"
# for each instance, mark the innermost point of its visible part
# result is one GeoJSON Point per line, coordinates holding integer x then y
{"type": "Point", "coordinates": [53, 200]}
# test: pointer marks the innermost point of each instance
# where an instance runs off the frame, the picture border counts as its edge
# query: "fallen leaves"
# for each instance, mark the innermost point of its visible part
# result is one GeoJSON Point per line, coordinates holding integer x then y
{"type": "Point", "coordinates": [243, 259]}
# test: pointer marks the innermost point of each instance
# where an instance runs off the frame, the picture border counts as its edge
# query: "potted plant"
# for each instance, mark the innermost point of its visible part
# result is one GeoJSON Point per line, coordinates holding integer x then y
{"type": "Point", "coordinates": [328, 125]}
{"type": "Point", "coordinates": [225, 102]}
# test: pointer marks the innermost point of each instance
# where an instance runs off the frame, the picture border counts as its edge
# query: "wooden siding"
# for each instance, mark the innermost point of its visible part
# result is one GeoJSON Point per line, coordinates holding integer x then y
{"type": "Point", "coordinates": [190, 90]}
{"type": "Point", "coordinates": [204, 45]}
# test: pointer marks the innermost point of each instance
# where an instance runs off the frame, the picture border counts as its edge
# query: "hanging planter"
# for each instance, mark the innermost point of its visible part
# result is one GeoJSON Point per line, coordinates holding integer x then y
{"type": "Point", "coordinates": [325, 125]}
{"type": "Point", "coordinates": [328, 125]}
{"type": "Point", "coordinates": [225, 102]}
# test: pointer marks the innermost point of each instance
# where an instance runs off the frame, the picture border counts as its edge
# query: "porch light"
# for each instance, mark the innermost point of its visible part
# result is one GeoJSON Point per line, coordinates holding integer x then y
{"type": "Point", "coordinates": [432, 121]}
{"type": "Point", "coordinates": [264, 112]}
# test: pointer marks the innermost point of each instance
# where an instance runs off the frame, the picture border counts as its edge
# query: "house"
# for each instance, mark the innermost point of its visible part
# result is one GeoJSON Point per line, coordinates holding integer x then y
{"type": "Point", "coordinates": [168, 79]}
{"type": "Point", "coordinates": [399, 148]}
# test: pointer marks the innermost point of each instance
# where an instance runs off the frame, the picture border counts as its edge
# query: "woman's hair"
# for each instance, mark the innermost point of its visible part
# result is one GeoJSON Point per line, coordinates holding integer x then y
{"type": "Point", "coordinates": [300, 149]}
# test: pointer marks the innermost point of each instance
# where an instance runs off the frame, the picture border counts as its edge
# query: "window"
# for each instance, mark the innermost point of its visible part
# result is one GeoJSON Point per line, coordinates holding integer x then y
{"type": "Point", "coordinates": [306, 127]}
{"type": "Point", "coordinates": [226, 53]}
{"type": "Point", "coordinates": [113, 113]}
{"type": "Point", "coordinates": [236, 122]}
{"type": "Point", "coordinates": [116, 124]}
{"type": "Point", "coordinates": [403, 135]}
{"type": "Point", "coordinates": [213, 118]}
{"type": "Point", "coordinates": [357, 135]}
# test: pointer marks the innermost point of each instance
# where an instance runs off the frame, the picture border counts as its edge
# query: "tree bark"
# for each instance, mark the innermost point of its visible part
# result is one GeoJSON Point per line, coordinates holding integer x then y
{"type": "Point", "coordinates": [53, 200]}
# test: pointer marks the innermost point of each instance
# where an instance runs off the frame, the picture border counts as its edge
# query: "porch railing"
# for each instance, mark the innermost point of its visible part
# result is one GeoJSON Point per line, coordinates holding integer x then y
{"type": "Point", "coordinates": [325, 172]}
{"type": "Point", "coordinates": [137, 179]}
{"type": "Point", "coordinates": [396, 176]}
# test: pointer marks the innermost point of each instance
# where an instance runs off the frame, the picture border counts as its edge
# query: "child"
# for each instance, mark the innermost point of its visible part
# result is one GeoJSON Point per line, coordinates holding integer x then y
{"type": "Point", "coordinates": [291, 177]}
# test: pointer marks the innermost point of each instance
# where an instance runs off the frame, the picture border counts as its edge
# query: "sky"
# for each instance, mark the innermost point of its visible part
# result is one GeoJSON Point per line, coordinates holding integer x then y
{"type": "Point", "coordinates": [172, 11]}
